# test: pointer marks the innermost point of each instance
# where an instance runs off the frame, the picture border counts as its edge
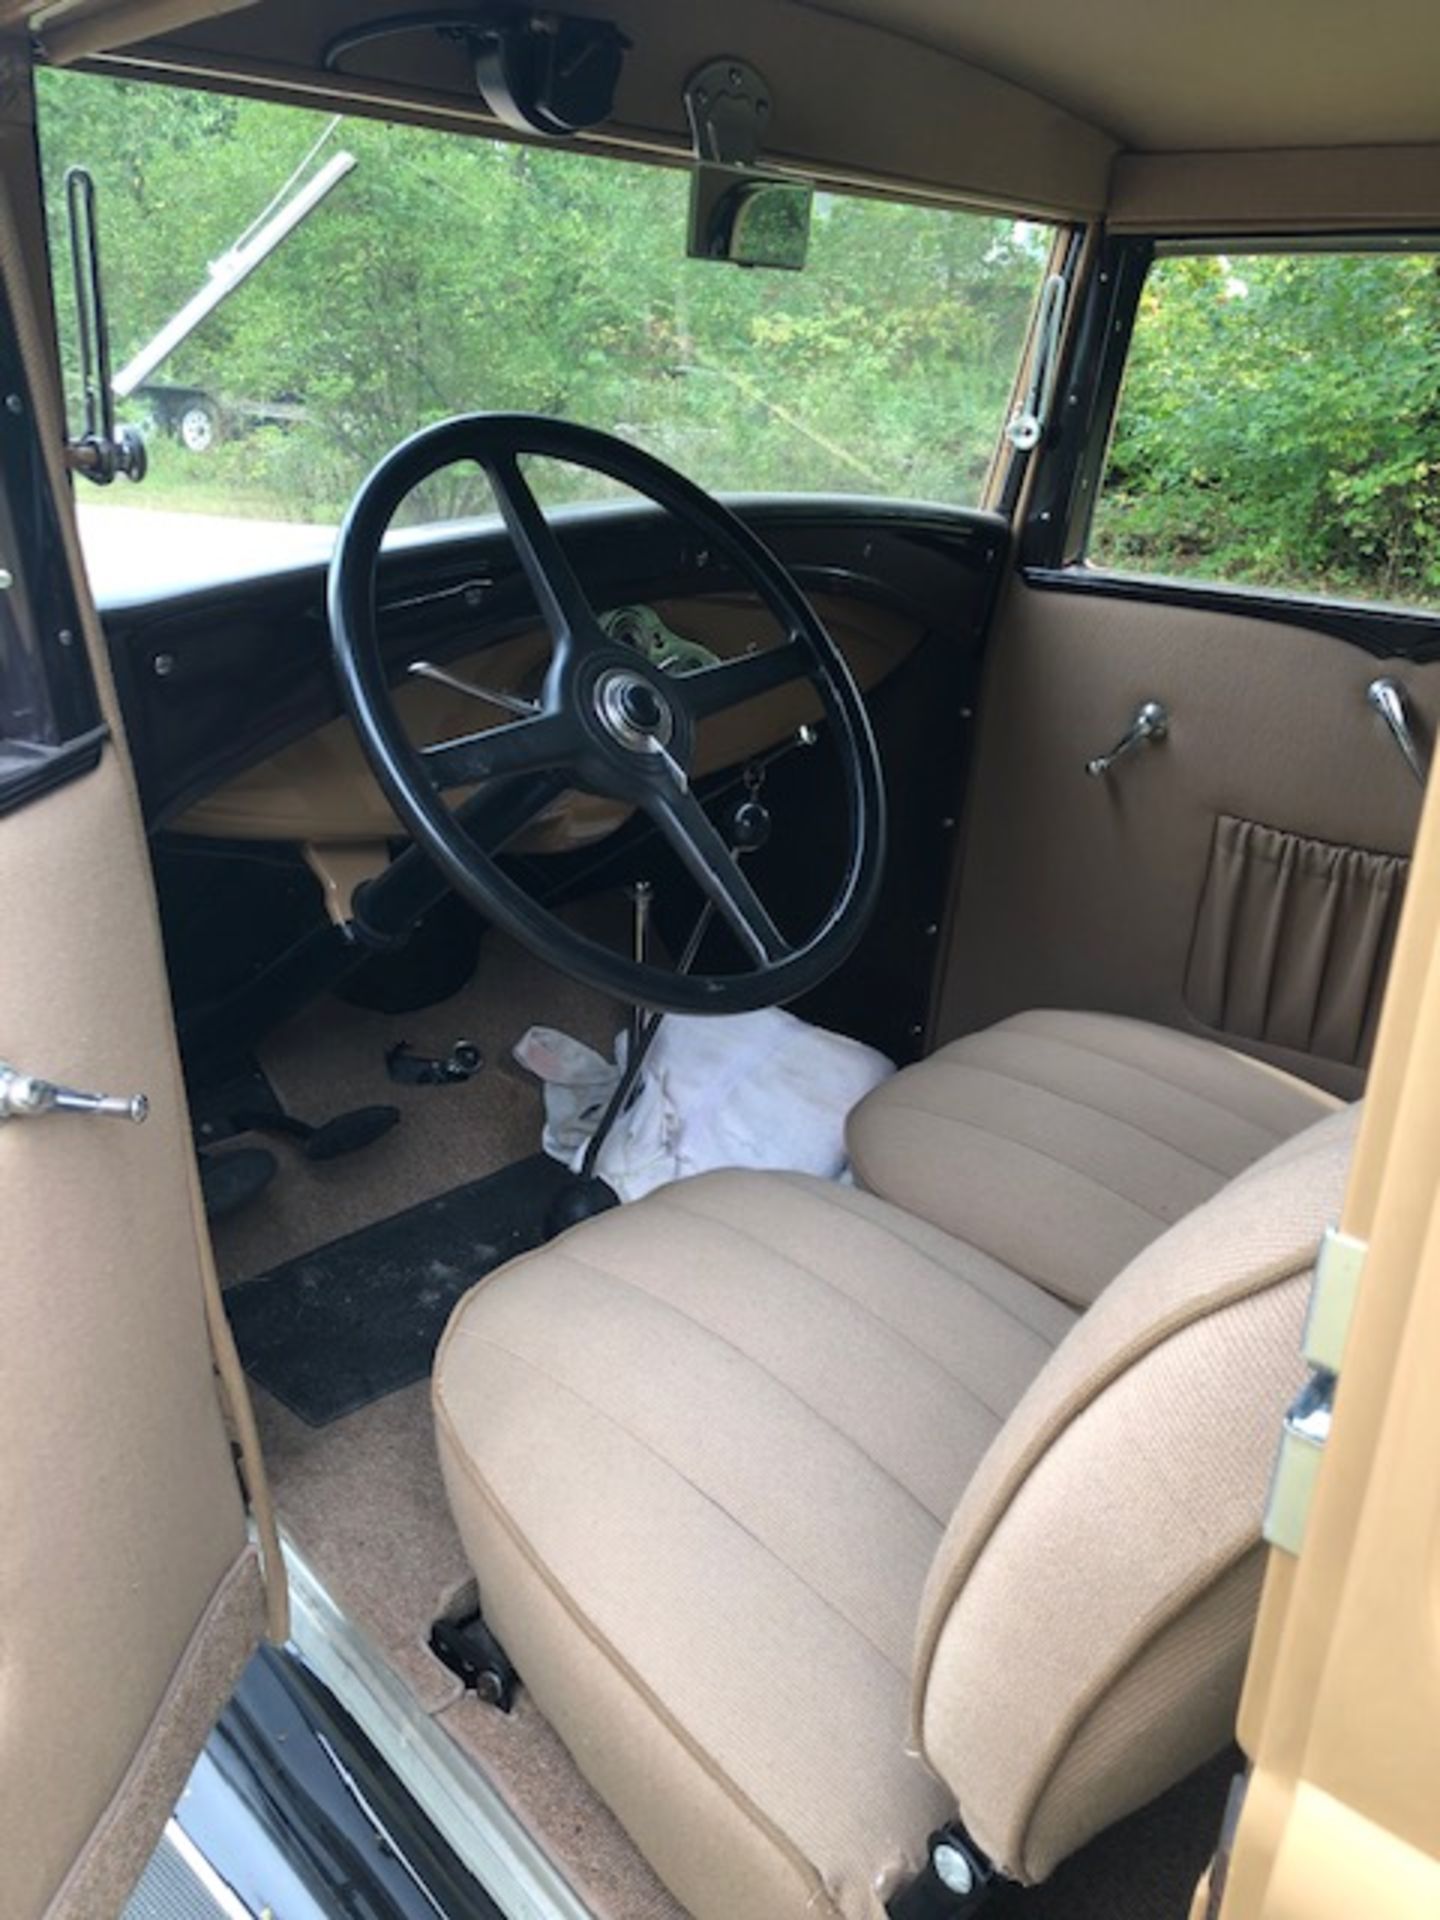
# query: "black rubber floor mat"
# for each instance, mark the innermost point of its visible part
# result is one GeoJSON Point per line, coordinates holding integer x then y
{"type": "Point", "coordinates": [357, 1319]}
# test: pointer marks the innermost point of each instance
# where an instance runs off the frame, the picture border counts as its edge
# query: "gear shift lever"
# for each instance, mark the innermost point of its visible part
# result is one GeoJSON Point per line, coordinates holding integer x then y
{"type": "Point", "coordinates": [643, 898]}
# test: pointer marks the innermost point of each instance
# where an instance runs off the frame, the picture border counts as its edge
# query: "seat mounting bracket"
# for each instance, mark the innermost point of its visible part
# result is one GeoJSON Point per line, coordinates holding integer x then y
{"type": "Point", "coordinates": [955, 1882]}
{"type": "Point", "coordinates": [473, 1653]}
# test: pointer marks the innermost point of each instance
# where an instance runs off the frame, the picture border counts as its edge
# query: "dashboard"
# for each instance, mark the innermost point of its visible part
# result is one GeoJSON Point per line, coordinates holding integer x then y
{"type": "Point", "coordinates": [320, 788]}
{"type": "Point", "coordinates": [230, 696]}
{"type": "Point", "coordinates": [249, 772]}
{"type": "Point", "coordinates": [218, 680]}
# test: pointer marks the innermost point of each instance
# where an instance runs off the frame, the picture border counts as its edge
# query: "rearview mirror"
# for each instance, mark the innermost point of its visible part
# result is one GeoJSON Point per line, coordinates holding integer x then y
{"type": "Point", "coordinates": [748, 219]}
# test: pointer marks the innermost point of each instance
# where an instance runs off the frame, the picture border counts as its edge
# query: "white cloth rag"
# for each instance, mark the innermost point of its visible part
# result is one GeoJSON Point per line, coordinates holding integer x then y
{"type": "Point", "coordinates": [746, 1090]}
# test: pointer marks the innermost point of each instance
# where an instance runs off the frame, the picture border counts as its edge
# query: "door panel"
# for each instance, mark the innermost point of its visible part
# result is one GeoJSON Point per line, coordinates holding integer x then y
{"type": "Point", "coordinates": [122, 1519]}
{"type": "Point", "coordinates": [1223, 880]}
{"type": "Point", "coordinates": [130, 1596]}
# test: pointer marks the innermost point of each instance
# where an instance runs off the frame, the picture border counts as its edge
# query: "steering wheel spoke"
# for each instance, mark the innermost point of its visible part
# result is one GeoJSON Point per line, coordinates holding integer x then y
{"type": "Point", "coordinates": [564, 605]}
{"type": "Point", "coordinates": [494, 753]}
{"type": "Point", "coordinates": [714, 689]}
{"type": "Point", "coordinates": [718, 873]}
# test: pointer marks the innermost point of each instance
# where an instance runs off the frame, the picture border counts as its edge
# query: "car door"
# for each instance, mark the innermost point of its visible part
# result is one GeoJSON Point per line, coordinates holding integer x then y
{"type": "Point", "coordinates": [1340, 1718]}
{"type": "Point", "coordinates": [1264, 509]}
{"type": "Point", "coordinates": [131, 1593]}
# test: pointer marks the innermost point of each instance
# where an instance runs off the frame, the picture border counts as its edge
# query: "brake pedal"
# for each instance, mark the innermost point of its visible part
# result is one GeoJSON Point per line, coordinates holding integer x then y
{"type": "Point", "coordinates": [346, 1133]}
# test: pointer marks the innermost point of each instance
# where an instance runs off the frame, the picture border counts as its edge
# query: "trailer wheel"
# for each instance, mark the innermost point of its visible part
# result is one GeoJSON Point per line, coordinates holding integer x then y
{"type": "Point", "coordinates": [199, 425]}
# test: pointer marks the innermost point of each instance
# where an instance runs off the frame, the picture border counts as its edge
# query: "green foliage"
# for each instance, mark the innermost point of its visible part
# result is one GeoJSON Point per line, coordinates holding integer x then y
{"type": "Point", "coordinates": [449, 273]}
{"type": "Point", "coordinates": [1280, 426]}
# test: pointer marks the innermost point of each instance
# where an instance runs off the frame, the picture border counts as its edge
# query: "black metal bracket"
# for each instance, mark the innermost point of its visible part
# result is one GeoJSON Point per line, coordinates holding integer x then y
{"type": "Point", "coordinates": [538, 71]}
{"type": "Point", "coordinates": [102, 449]}
{"type": "Point", "coordinates": [410, 1069]}
{"type": "Point", "coordinates": [471, 1651]}
{"type": "Point", "coordinates": [956, 1881]}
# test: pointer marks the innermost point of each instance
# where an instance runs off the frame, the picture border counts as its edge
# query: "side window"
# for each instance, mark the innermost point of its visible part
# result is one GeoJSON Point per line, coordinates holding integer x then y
{"type": "Point", "coordinates": [50, 726]}
{"type": "Point", "coordinates": [1279, 426]}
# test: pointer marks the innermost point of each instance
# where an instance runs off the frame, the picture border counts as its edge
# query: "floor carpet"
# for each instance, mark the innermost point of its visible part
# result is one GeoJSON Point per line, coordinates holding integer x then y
{"type": "Point", "coordinates": [332, 1059]}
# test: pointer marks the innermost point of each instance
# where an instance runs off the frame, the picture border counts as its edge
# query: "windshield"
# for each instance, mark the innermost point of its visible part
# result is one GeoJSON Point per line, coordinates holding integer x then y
{"type": "Point", "coordinates": [444, 273]}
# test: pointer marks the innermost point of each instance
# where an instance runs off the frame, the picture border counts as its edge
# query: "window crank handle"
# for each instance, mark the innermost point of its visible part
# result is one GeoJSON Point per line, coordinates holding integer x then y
{"type": "Point", "coordinates": [1151, 722]}
{"type": "Point", "coordinates": [23, 1095]}
{"type": "Point", "coordinates": [1389, 700]}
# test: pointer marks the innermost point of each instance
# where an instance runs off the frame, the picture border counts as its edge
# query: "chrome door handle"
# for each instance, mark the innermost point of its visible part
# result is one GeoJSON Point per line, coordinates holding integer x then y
{"type": "Point", "coordinates": [1151, 722]}
{"type": "Point", "coordinates": [1388, 698]}
{"type": "Point", "coordinates": [22, 1095]}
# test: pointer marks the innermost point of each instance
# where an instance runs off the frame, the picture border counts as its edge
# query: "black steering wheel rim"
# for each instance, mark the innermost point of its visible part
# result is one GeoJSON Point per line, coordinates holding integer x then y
{"type": "Point", "coordinates": [582, 728]}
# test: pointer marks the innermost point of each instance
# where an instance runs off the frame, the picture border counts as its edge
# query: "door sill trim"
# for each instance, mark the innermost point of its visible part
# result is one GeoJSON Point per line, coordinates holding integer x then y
{"type": "Point", "coordinates": [504, 1857]}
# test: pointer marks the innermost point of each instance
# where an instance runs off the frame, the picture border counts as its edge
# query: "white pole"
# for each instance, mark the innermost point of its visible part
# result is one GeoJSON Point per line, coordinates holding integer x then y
{"type": "Point", "coordinates": [230, 271]}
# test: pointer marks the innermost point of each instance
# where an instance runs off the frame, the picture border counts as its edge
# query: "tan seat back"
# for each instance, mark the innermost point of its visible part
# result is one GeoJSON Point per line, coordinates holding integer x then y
{"type": "Point", "coordinates": [1085, 1624]}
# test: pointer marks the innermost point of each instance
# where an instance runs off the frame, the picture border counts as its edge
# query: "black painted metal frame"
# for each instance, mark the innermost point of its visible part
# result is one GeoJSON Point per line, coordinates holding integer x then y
{"type": "Point", "coordinates": [51, 728]}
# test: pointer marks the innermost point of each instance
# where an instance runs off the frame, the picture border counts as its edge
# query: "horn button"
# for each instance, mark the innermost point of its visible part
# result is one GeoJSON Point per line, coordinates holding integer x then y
{"type": "Point", "coordinates": [633, 711]}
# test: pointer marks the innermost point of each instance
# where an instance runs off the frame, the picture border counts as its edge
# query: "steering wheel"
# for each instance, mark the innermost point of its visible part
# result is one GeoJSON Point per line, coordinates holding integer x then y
{"type": "Point", "coordinates": [608, 721]}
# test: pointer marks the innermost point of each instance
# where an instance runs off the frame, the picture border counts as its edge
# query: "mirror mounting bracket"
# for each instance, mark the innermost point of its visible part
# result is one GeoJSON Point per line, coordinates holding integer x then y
{"type": "Point", "coordinates": [540, 72]}
{"type": "Point", "coordinates": [101, 451]}
{"type": "Point", "coordinates": [727, 104]}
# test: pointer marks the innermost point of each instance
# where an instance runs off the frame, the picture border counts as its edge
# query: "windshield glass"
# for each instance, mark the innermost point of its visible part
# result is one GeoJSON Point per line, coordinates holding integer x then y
{"type": "Point", "coordinates": [444, 273]}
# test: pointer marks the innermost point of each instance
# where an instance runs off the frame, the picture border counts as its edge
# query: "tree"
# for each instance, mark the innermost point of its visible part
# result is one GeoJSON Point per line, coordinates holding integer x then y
{"type": "Point", "coordinates": [1280, 425]}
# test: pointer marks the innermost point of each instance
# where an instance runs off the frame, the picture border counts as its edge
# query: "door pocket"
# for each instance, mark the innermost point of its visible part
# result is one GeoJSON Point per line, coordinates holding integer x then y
{"type": "Point", "coordinates": [1293, 939]}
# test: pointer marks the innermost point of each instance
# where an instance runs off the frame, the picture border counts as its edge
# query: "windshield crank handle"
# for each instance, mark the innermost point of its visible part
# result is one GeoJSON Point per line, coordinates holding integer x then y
{"type": "Point", "coordinates": [1151, 722]}
{"type": "Point", "coordinates": [22, 1095]}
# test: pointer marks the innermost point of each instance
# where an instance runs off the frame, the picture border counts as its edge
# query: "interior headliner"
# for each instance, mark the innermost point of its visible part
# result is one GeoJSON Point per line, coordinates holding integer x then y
{"type": "Point", "coordinates": [1172, 76]}
{"type": "Point", "coordinates": [1025, 107]}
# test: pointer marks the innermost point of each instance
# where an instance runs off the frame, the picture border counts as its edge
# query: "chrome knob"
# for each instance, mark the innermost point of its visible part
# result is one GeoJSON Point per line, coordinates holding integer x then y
{"type": "Point", "coordinates": [1151, 722]}
{"type": "Point", "coordinates": [23, 1095]}
{"type": "Point", "coordinates": [1389, 699]}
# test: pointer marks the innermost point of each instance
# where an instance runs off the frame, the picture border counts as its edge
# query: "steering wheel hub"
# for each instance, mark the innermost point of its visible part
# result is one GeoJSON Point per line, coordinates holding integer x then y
{"type": "Point", "coordinates": [633, 712]}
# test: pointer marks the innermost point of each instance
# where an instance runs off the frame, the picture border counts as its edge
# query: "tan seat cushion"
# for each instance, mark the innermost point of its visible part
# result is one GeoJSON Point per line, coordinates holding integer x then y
{"type": "Point", "coordinates": [702, 1452]}
{"type": "Point", "coordinates": [1064, 1143]}
{"type": "Point", "coordinates": [1123, 1501]}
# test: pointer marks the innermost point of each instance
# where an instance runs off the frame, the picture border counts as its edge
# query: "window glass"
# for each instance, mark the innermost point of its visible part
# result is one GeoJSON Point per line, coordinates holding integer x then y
{"type": "Point", "coordinates": [1280, 426]}
{"type": "Point", "coordinates": [448, 273]}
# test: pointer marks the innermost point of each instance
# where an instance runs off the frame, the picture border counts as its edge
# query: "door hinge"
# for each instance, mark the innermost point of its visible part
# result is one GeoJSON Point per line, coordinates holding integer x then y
{"type": "Point", "coordinates": [1307, 1422]}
